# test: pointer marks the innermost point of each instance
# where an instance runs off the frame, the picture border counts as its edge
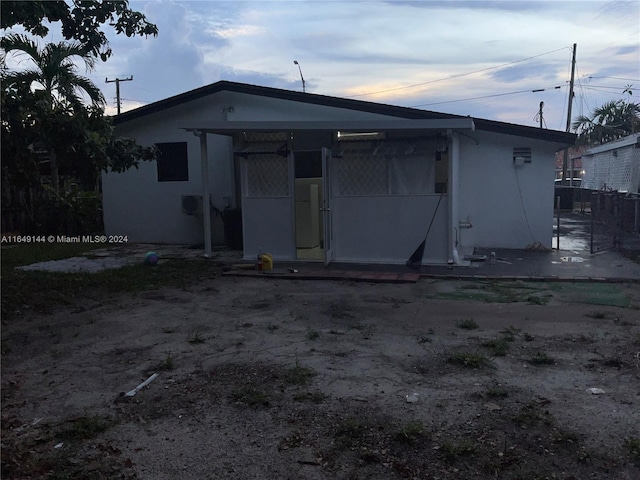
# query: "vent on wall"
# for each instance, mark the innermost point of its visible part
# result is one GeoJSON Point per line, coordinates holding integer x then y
{"type": "Point", "coordinates": [521, 155]}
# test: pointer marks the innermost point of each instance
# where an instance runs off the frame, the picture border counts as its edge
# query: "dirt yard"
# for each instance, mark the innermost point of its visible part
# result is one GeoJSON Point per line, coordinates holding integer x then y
{"type": "Point", "coordinates": [285, 379]}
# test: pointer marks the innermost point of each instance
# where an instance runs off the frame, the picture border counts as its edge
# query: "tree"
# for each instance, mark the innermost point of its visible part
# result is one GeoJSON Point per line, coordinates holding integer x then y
{"type": "Point", "coordinates": [613, 120]}
{"type": "Point", "coordinates": [54, 82]}
{"type": "Point", "coordinates": [81, 20]}
{"type": "Point", "coordinates": [44, 112]}
{"type": "Point", "coordinates": [53, 69]}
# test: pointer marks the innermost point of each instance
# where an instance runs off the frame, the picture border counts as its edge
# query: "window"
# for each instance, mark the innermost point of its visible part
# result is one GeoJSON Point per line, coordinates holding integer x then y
{"type": "Point", "coordinates": [172, 161]}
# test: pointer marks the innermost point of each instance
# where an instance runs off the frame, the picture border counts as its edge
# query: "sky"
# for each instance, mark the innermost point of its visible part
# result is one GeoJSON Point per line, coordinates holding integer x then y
{"type": "Point", "coordinates": [478, 57]}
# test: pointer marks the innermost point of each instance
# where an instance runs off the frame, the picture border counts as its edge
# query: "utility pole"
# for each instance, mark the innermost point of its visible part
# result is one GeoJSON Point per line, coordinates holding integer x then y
{"type": "Point", "coordinates": [118, 80]}
{"type": "Point", "coordinates": [540, 113]}
{"type": "Point", "coordinates": [565, 160]}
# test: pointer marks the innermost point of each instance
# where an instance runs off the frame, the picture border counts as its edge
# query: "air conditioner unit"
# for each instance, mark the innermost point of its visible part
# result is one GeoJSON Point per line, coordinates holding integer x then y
{"type": "Point", "coordinates": [192, 204]}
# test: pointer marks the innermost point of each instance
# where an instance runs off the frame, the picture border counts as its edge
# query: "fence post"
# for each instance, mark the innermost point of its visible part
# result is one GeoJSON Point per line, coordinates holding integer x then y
{"type": "Point", "coordinates": [558, 228]}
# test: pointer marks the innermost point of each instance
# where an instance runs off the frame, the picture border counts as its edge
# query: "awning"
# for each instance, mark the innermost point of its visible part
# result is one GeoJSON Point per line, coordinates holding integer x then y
{"type": "Point", "coordinates": [354, 126]}
{"type": "Point", "coordinates": [263, 148]}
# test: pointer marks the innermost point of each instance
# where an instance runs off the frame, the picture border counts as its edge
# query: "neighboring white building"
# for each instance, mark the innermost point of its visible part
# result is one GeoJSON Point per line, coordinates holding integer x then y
{"type": "Point", "coordinates": [613, 166]}
{"type": "Point", "coordinates": [332, 179]}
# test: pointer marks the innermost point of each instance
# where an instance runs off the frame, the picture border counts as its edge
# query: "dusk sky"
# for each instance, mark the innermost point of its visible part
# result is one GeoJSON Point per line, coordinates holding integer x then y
{"type": "Point", "coordinates": [461, 57]}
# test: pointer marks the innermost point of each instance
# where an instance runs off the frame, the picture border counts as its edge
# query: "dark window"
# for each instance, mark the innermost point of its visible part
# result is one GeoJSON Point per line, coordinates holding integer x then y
{"type": "Point", "coordinates": [173, 164]}
{"type": "Point", "coordinates": [308, 164]}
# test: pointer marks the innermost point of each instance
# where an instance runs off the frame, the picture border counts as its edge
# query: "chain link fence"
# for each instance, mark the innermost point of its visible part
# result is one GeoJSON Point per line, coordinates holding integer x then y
{"type": "Point", "coordinates": [615, 221]}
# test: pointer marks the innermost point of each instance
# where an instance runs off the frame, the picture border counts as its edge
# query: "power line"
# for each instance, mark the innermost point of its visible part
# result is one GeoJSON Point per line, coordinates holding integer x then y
{"type": "Point", "coordinates": [457, 75]}
{"type": "Point", "coordinates": [491, 96]}
{"type": "Point", "coordinates": [604, 87]}
{"type": "Point", "coordinates": [616, 78]}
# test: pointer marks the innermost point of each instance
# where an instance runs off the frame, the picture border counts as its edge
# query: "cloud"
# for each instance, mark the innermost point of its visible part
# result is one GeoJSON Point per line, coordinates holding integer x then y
{"type": "Point", "coordinates": [348, 48]}
{"type": "Point", "coordinates": [532, 72]}
{"type": "Point", "coordinates": [258, 78]}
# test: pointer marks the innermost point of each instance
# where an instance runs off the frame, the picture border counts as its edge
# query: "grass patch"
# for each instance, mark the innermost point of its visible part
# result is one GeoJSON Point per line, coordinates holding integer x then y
{"type": "Point", "coordinates": [632, 446]}
{"type": "Point", "coordinates": [196, 339]}
{"type": "Point", "coordinates": [498, 346]}
{"type": "Point", "coordinates": [85, 427]}
{"type": "Point", "coordinates": [469, 324]}
{"type": "Point", "coordinates": [251, 397]}
{"type": "Point", "coordinates": [298, 375]}
{"type": "Point", "coordinates": [452, 451]}
{"type": "Point", "coordinates": [469, 360]}
{"type": "Point", "coordinates": [313, 335]}
{"type": "Point", "coordinates": [410, 433]}
{"type": "Point", "coordinates": [167, 364]}
{"type": "Point", "coordinates": [43, 291]}
{"type": "Point", "coordinates": [530, 414]}
{"type": "Point", "coordinates": [541, 358]}
{"type": "Point", "coordinates": [510, 332]}
{"type": "Point", "coordinates": [538, 300]}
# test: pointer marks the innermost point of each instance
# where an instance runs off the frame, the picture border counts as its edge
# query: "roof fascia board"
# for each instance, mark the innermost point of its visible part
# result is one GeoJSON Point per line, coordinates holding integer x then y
{"type": "Point", "coordinates": [623, 142]}
{"type": "Point", "coordinates": [337, 102]}
{"type": "Point", "coordinates": [556, 136]}
{"type": "Point", "coordinates": [229, 128]}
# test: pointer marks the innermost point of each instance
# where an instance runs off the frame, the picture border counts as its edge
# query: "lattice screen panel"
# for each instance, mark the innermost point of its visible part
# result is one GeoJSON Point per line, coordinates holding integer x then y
{"type": "Point", "coordinates": [371, 168]}
{"type": "Point", "coordinates": [362, 172]}
{"type": "Point", "coordinates": [615, 170]}
{"type": "Point", "coordinates": [267, 176]}
{"type": "Point", "coordinates": [276, 137]}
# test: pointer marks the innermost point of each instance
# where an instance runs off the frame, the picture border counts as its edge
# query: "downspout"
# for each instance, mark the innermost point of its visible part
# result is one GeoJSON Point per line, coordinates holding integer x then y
{"type": "Point", "coordinates": [453, 190]}
{"type": "Point", "coordinates": [206, 197]}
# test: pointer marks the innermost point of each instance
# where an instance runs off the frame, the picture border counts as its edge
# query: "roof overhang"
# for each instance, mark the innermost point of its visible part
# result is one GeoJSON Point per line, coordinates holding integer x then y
{"type": "Point", "coordinates": [633, 139]}
{"type": "Point", "coordinates": [353, 126]}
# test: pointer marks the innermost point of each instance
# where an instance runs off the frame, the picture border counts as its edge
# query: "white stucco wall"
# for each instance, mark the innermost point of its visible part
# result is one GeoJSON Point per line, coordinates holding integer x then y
{"type": "Point", "coordinates": [137, 205]}
{"type": "Point", "coordinates": [388, 229]}
{"type": "Point", "coordinates": [509, 206]}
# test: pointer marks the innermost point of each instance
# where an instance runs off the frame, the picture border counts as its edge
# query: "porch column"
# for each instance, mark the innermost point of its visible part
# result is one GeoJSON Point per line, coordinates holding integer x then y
{"type": "Point", "coordinates": [206, 205]}
{"type": "Point", "coordinates": [454, 192]}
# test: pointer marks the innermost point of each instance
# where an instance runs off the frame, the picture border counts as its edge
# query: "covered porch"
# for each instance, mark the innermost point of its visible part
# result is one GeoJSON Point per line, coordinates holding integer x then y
{"type": "Point", "coordinates": [346, 191]}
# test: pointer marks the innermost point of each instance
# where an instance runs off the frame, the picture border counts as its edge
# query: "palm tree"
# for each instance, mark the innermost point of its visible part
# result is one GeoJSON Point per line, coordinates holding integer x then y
{"type": "Point", "coordinates": [613, 120]}
{"type": "Point", "coordinates": [53, 70]}
{"type": "Point", "coordinates": [53, 79]}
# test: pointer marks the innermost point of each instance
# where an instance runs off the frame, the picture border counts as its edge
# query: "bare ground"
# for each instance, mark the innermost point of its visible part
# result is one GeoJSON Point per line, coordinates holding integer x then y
{"type": "Point", "coordinates": [277, 379]}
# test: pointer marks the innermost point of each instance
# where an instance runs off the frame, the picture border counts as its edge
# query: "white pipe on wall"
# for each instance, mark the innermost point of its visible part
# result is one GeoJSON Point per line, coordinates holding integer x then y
{"type": "Point", "coordinates": [453, 192]}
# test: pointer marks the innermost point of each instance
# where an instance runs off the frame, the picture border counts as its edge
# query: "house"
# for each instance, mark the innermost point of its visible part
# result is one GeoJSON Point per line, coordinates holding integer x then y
{"type": "Point", "coordinates": [613, 166]}
{"type": "Point", "coordinates": [331, 179]}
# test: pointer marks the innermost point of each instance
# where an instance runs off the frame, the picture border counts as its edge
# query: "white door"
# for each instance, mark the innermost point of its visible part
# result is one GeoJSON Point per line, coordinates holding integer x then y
{"type": "Point", "coordinates": [326, 205]}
